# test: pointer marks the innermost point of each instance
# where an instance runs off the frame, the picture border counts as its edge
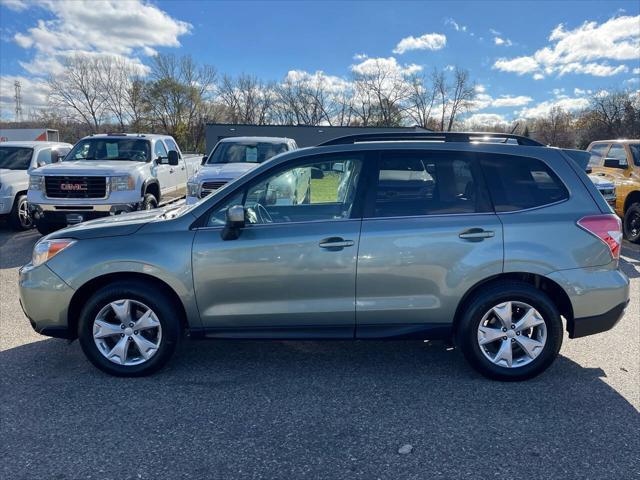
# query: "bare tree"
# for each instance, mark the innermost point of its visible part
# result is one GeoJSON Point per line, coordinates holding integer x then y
{"type": "Point", "coordinates": [381, 91]}
{"type": "Point", "coordinates": [556, 128]}
{"type": "Point", "coordinates": [77, 88]}
{"type": "Point", "coordinates": [247, 99]}
{"type": "Point", "coordinates": [420, 101]}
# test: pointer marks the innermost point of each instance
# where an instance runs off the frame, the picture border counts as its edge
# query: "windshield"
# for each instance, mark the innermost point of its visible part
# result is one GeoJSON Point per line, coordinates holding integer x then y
{"type": "Point", "coordinates": [635, 152]}
{"type": "Point", "coordinates": [132, 149]}
{"type": "Point", "coordinates": [15, 158]}
{"type": "Point", "coordinates": [227, 152]}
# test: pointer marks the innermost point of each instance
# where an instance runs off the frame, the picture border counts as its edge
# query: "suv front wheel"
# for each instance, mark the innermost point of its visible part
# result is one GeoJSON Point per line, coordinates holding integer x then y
{"type": "Point", "coordinates": [510, 331]}
{"type": "Point", "coordinates": [126, 331]}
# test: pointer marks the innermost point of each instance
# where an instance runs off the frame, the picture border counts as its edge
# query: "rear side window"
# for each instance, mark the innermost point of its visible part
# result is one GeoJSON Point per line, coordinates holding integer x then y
{"type": "Point", "coordinates": [427, 183]}
{"type": "Point", "coordinates": [517, 183]}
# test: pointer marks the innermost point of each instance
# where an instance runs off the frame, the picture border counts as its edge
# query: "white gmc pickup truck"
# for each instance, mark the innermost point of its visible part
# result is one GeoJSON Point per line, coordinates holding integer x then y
{"type": "Point", "coordinates": [17, 160]}
{"type": "Point", "coordinates": [109, 174]}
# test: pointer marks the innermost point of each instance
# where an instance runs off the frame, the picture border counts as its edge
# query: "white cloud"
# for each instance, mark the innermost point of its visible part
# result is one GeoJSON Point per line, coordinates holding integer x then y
{"type": "Point", "coordinates": [485, 119]}
{"type": "Point", "coordinates": [502, 41]}
{"type": "Point", "coordinates": [511, 101]}
{"type": "Point", "coordinates": [15, 5]}
{"type": "Point", "coordinates": [584, 50]}
{"type": "Point", "coordinates": [636, 71]}
{"type": "Point", "coordinates": [360, 56]}
{"type": "Point", "coordinates": [390, 65]}
{"type": "Point", "coordinates": [580, 91]}
{"type": "Point", "coordinates": [125, 28]}
{"type": "Point", "coordinates": [566, 103]}
{"type": "Point", "coordinates": [428, 41]}
{"type": "Point", "coordinates": [538, 76]}
{"type": "Point", "coordinates": [456, 26]}
{"type": "Point", "coordinates": [332, 83]}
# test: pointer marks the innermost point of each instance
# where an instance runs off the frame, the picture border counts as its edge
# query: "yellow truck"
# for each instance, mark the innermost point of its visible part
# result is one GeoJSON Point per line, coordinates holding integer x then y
{"type": "Point", "coordinates": [619, 162]}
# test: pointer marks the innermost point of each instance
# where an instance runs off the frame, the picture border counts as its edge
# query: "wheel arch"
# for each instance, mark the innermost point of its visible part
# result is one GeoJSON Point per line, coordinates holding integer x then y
{"type": "Point", "coordinates": [633, 197]}
{"type": "Point", "coordinates": [152, 187]}
{"type": "Point", "coordinates": [89, 288]}
{"type": "Point", "coordinates": [555, 292]}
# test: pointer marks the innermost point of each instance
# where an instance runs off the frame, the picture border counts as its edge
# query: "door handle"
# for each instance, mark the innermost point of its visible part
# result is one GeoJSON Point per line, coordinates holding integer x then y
{"type": "Point", "coordinates": [476, 234]}
{"type": "Point", "coordinates": [335, 243]}
{"type": "Point", "coordinates": [171, 170]}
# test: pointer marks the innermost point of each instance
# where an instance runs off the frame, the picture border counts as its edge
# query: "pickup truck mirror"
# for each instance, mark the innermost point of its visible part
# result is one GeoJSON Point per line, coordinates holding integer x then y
{"type": "Point", "coordinates": [204, 160]}
{"type": "Point", "coordinates": [589, 170]}
{"type": "Point", "coordinates": [235, 222]}
{"type": "Point", "coordinates": [173, 158]}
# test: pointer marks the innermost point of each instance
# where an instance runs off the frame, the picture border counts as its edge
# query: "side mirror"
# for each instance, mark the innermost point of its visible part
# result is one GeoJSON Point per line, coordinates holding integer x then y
{"type": "Point", "coordinates": [316, 173]}
{"type": "Point", "coordinates": [204, 160]}
{"type": "Point", "coordinates": [589, 170]}
{"type": "Point", "coordinates": [234, 224]}
{"type": "Point", "coordinates": [173, 158]}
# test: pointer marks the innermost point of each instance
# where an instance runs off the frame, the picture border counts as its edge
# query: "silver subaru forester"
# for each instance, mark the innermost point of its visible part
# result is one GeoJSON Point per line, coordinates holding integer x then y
{"type": "Point", "coordinates": [493, 241]}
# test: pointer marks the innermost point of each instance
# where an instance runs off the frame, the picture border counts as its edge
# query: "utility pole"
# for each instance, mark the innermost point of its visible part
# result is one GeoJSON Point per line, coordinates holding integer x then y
{"type": "Point", "coordinates": [18, 99]}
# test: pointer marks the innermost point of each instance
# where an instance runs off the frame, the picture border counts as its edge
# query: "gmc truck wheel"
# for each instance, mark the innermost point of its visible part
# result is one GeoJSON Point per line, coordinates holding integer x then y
{"type": "Point", "coordinates": [149, 202]}
{"type": "Point", "coordinates": [631, 223]}
{"type": "Point", "coordinates": [20, 217]}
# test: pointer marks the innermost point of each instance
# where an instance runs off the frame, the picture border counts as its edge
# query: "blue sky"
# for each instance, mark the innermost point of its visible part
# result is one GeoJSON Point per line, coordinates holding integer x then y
{"type": "Point", "coordinates": [525, 56]}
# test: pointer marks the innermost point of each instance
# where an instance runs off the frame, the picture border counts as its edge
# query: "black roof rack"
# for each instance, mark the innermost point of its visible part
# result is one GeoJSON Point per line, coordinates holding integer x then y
{"type": "Point", "coordinates": [463, 137]}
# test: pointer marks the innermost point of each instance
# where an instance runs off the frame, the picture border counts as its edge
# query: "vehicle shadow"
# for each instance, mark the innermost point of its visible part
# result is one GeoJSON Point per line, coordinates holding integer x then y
{"type": "Point", "coordinates": [630, 260]}
{"type": "Point", "coordinates": [288, 408]}
{"type": "Point", "coordinates": [16, 247]}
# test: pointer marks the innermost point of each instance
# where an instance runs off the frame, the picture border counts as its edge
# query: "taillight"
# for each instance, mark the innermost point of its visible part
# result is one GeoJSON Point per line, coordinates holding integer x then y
{"type": "Point", "coordinates": [607, 228]}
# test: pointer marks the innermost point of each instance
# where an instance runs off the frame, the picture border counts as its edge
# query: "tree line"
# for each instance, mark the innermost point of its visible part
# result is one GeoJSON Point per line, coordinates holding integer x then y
{"type": "Point", "coordinates": [178, 96]}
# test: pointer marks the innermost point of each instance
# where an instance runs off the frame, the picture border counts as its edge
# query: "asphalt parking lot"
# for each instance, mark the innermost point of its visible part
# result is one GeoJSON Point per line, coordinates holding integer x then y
{"type": "Point", "coordinates": [314, 409]}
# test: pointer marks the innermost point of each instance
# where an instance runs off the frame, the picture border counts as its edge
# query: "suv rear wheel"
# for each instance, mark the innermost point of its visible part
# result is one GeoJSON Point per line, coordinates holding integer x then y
{"type": "Point", "coordinates": [510, 331]}
{"type": "Point", "coordinates": [126, 331]}
{"type": "Point", "coordinates": [631, 223]}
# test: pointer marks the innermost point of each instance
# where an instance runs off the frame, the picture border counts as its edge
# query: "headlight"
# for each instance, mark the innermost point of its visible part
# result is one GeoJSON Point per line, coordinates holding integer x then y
{"type": "Point", "coordinates": [125, 182]}
{"type": "Point", "coordinates": [47, 249]}
{"type": "Point", "coordinates": [192, 189]}
{"type": "Point", "coordinates": [36, 182]}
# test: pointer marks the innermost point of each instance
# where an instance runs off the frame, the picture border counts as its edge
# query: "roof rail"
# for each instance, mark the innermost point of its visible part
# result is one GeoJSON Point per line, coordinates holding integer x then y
{"type": "Point", "coordinates": [463, 137]}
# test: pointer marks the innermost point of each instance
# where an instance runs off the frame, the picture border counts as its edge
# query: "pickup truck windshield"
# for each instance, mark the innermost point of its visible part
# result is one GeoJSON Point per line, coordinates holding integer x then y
{"type": "Point", "coordinates": [15, 158]}
{"type": "Point", "coordinates": [227, 152]}
{"type": "Point", "coordinates": [131, 149]}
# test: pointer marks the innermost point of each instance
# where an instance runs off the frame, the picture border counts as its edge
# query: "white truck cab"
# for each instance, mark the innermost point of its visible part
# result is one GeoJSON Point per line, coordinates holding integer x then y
{"type": "Point", "coordinates": [17, 160]}
{"type": "Point", "coordinates": [231, 158]}
{"type": "Point", "coordinates": [109, 174]}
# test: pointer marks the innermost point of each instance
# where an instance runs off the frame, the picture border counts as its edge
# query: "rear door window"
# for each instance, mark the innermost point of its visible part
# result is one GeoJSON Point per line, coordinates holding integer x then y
{"type": "Point", "coordinates": [428, 183]}
{"type": "Point", "coordinates": [517, 183]}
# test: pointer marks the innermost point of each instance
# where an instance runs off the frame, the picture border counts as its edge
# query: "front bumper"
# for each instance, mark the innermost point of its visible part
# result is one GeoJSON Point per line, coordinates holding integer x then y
{"type": "Point", "coordinates": [72, 214]}
{"type": "Point", "coordinates": [45, 300]}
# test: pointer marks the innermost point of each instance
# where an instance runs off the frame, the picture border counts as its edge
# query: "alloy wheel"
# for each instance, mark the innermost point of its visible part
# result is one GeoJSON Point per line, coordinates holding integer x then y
{"type": "Point", "coordinates": [512, 334]}
{"type": "Point", "coordinates": [127, 332]}
{"type": "Point", "coordinates": [24, 216]}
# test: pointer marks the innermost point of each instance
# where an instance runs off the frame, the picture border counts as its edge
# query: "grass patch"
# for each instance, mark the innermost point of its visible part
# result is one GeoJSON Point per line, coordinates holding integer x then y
{"type": "Point", "coordinates": [325, 190]}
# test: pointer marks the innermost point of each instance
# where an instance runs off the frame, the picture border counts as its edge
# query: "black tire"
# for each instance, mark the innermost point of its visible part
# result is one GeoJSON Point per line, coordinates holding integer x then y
{"type": "Point", "coordinates": [149, 202]}
{"type": "Point", "coordinates": [20, 218]}
{"type": "Point", "coordinates": [166, 312]}
{"type": "Point", "coordinates": [631, 223]}
{"type": "Point", "coordinates": [45, 227]}
{"type": "Point", "coordinates": [492, 295]}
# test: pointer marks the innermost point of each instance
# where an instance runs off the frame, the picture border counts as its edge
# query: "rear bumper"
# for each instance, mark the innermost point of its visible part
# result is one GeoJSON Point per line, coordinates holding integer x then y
{"type": "Point", "coordinates": [581, 327]}
{"type": "Point", "coordinates": [598, 297]}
